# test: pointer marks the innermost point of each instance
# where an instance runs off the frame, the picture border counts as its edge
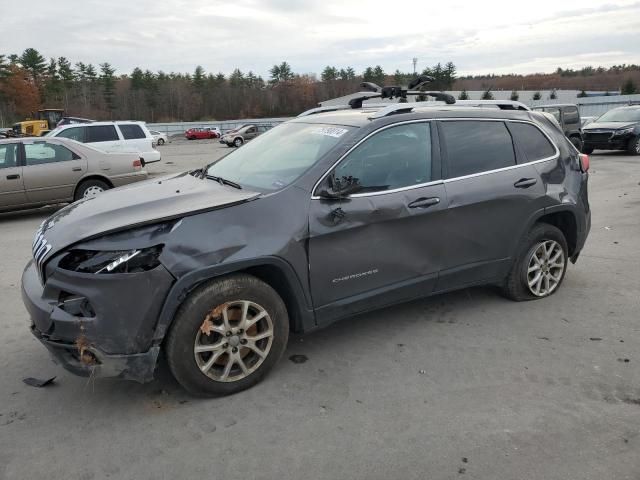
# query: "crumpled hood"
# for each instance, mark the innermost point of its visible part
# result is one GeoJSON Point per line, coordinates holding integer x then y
{"type": "Point", "coordinates": [608, 125]}
{"type": "Point", "coordinates": [134, 205]}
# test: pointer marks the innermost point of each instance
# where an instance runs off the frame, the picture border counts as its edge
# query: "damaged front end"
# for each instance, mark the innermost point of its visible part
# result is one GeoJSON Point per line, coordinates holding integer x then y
{"type": "Point", "coordinates": [96, 305]}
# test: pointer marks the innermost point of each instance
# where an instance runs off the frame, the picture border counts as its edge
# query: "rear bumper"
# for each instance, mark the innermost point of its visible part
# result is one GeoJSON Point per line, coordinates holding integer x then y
{"type": "Point", "coordinates": [120, 180]}
{"type": "Point", "coordinates": [99, 325]}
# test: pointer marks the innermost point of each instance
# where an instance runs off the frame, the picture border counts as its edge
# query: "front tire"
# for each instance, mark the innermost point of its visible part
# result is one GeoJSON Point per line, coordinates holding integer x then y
{"type": "Point", "coordinates": [90, 188]}
{"type": "Point", "coordinates": [634, 146]}
{"type": "Point", "coordinates": [238, 142]}
{"type": "Point", "coordinates": [161, 141]}
{"type": "Point", "coordinates": [227, 335]}
{"type": "Point", "coordinates": [540, 266]}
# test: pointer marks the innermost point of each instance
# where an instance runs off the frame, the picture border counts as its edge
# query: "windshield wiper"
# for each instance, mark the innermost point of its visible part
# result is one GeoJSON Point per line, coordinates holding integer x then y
{"type": "Point", "coordinates": [224, 181]}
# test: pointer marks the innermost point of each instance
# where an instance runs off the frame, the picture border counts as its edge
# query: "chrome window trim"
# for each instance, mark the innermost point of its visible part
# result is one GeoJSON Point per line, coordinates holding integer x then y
{"type": "Point", "coordinates": [441, 181]}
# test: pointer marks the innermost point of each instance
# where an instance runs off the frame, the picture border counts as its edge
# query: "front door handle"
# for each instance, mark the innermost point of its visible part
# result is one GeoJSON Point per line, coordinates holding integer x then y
{"type": "Point", "coordinates": [525, 183]}
{"type": "Point", "coordinates": [424, 202]}
{"type": "Point", "coordinates": [13, 177]}
{"type": "Point", "coordinates": [76, 169]}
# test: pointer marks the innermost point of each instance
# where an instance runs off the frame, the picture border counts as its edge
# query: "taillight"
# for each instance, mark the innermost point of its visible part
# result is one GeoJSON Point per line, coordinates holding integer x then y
{"type": "Point", "coordinates": [584, 162]}
{"type": "Point", "coordinates": [137, 164]}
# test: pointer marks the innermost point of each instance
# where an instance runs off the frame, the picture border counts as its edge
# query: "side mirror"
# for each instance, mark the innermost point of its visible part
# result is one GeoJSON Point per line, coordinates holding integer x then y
{"type": "Point", "coordinates": [333, 188]}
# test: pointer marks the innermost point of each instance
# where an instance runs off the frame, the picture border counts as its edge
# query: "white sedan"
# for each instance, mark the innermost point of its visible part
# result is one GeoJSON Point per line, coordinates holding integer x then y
{"type": "Point", "coordinates": [159, 138]}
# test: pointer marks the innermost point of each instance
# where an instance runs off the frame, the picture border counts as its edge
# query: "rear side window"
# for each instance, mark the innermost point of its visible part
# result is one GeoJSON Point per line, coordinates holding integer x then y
{"type": "Point", "coordinates": [476, 146]}
{"type": "Point", "coordinates": [101, 133]}
{"type": "Point", "coordinates": [75, 133]}
{"type": "Point", "coordinates": [42, 152]}
{"type": "Point", "coordinates": [131, 131]}
{"type": "Point", "coordinates": [532, 141]}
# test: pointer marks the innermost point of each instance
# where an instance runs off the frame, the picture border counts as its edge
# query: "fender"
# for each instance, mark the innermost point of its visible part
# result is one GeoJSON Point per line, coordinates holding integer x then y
{"type": "Point", "coordinates": [303, 316]}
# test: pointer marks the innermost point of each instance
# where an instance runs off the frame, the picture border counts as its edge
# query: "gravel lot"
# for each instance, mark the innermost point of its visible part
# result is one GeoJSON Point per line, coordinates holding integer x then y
{"type": "Point", "coordinates": [464, 385]}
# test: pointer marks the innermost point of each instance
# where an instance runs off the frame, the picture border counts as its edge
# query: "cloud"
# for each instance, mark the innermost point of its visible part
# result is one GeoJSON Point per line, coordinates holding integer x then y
{"type": "Point", "coordinates": [177, 35]}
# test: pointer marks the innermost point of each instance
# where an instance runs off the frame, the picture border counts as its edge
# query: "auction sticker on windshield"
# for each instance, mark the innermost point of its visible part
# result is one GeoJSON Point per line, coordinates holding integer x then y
{"type": "Point", "coordinates": [330, 131]}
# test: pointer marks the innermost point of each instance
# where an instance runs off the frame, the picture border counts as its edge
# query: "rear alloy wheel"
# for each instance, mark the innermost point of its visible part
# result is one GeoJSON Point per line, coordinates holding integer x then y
{"type": "Point", "coordinates": [238, 142]}
{"type": "Point", "coordinates": [90, 188]}
{"type": "Point", "coordinates": [161, 141]}
{"type": "Point", "coordinates": [227, 335]}
{"type": "Point", "coordinates": [540, 266]}
{"type": "Point", "coordinates": [634, 146]}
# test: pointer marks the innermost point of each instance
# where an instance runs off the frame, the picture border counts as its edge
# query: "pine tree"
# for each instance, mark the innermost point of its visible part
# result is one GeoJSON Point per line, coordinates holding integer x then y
{"type": "Point", "coordinates": [536, 96]}
{"type": "Point", "coordinates": [487, 95]}
{"type": "Point", "coordinates": [629, 88]}
{"type": "Point", "coordinates": [514, 95]}
{"type": "Point", "coordinates": [463, 95]}
{"type": "Point", "coordinates": [553, 95]}
{"type": "Point", "coordinates": [198, 78]}
{"type": "Point", "coordinates": [34, 63]}
{"type": "Point", "coordinates": [108, 81]}
{"type": "Point", "coordinates": [329, 74]}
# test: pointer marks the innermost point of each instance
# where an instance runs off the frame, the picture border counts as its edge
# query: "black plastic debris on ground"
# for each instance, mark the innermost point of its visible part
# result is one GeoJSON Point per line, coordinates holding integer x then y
{"type": "Point", "coordinates": [38, 382]}
{"type": "Point", "coordinates": [298, 358]}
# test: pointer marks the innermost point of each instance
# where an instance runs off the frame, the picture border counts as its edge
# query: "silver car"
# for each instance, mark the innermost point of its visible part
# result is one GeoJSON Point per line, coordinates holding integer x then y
{"type": "Point", "coordinates": [41, 171]}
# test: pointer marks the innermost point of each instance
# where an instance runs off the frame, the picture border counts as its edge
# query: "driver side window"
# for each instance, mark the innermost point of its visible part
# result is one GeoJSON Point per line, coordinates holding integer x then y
{"type": "Point", "coordinates": [395, 157]}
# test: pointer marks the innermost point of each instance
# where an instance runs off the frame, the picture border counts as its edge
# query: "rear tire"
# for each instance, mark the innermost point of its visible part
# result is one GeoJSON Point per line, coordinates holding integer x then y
{"type": "Point", "coordinates": [577, 142]}
{"type": "Point", "coordinates": [226, 360]}
{"type": "Point", "coordinates": [238, 142]}
{"type": "Point", "coordinates": [587, 150]}
{"type": "Point", "coordinates": [634, 146]}
{"type": "Point", "coordinates": [535, 273]}
{"type": "Point", "coordinates": [90, 188]}
{"type": "Point", "coordinates": [161, 141]}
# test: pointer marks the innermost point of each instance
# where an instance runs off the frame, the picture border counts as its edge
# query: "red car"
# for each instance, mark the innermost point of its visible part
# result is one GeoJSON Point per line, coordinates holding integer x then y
{"type": "Point", "coordinates": [200, 133]}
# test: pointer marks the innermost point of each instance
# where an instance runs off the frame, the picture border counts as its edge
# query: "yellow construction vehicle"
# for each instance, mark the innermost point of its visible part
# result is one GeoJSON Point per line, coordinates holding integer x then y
{"type": "Point", "coordinates": [45, 121]}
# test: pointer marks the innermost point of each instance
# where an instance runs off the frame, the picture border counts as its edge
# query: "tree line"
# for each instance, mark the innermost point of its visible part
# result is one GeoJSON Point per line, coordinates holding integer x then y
{"type": "Point", "coordinates": [29, 82]}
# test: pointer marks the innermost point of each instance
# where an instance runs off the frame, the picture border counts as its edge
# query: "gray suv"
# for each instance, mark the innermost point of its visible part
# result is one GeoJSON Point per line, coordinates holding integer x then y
{"type": "Point", "coordinates": [323, 217]}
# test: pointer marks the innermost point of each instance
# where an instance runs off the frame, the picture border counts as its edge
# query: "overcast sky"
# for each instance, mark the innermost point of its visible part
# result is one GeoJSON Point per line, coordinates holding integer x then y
{"type": "Point", "coordinates": [176, 35]}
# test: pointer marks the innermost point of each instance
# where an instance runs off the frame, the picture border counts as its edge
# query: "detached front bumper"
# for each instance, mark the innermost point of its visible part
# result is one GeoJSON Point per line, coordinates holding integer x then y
{"type": "Point", "coordinates": [612, 142]}
{"type": "Point", "coordinates": [98, 325]}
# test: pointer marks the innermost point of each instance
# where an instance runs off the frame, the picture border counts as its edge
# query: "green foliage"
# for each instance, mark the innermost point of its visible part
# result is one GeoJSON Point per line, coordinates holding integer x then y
{"type": "Point", "coordinates": [198, 78]}
{"type": "Point", "coordinates": [281, 73]}
{"type": "Point", "coordinates": [107, 79]}
{"type": "Point", "coordinates": [329, 74]}
{"type": "Point", "coordinates": [514, 95]}
{"type": "Point", "coordinates": [34, 63]}
{"type": "Point", "coordinates": [463, 95]}
{"type": "Point", "coordinates": [536, 96]}
{"type": "Point", "coordinates": [553, 95]}
{"type": "Point", "coordinates": [582, 94]}
{"type": "Point", "coordinates": [487, 95]}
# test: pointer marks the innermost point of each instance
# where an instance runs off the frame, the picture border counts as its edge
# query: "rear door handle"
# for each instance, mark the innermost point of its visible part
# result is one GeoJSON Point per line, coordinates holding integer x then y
{"type": "Point", "coordinates": [13, 177]}
{"type": "Point", "coordinates": [424, 202]}
{"type": "Point", "coordinates": [76, 169]}
{"type": "Point", "coordinates": [525, 183]}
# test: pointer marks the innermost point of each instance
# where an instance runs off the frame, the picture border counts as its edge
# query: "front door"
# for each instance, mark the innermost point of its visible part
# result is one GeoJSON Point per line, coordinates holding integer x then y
{"type": "Point", "coordinates": [11, 181]}
{"type": "Point", "coordinates": [386, 236]}
{"type": "Point", "coordinates": [51, 171]}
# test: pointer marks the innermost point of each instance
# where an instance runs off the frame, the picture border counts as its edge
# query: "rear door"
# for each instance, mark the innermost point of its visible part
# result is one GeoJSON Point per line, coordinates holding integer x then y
{"type": "Point", "coordinates": [104, 137]}
{"type": "Point", "coordinates": [493, 191]}
{"type": "Point", "coordinates": [51, 171]}
{"type": "Point", "coordinates": [387, 238]}
{"type": "Point", "coordinates": [11, 180]}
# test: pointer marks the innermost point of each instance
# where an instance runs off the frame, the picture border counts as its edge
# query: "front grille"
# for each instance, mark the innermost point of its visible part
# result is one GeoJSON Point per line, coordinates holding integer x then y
{"type": "Point", "coordinates": [40, 248]}
{"type": "Point", "coordinates": [597, 136]}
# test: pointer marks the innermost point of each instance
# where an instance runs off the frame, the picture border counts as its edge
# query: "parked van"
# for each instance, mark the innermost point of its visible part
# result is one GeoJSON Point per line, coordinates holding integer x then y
{"type": "Point", "coordinates": [118, 137]}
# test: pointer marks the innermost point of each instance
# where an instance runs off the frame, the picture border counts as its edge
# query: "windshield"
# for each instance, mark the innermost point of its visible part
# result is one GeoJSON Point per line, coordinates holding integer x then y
{"type": "Point", "coordinates": [279, 156]}
{"type": "Point", "coordinates": [621, 115]}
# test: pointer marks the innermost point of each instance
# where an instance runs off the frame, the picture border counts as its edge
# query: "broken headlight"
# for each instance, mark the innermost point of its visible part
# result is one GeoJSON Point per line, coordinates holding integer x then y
{"type": "Point", "coordinates": [122, 261]}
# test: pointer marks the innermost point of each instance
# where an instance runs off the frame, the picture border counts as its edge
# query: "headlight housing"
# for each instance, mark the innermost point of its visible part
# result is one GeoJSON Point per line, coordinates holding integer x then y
{"type": "Point", "coordinates": [623, 131]}
{"type": "Point", "coordinates": [104, 262]}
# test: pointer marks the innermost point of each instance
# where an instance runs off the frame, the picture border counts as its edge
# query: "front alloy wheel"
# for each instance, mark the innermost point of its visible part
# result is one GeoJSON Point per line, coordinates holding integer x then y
{"type": "Point", "coordinates": [233, 345]}
{"type": "Point", "coordinates": [227, 335]}
{"type": "Point", "coordinates": [545, 268]}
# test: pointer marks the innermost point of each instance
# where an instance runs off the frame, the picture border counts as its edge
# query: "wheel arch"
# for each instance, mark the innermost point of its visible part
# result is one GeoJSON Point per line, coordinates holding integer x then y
{"type": "Point", "coordinates": [274, 271]}
{"type": "Point", "coordinates": [89, 177]}
{"type": "Point", "coordinates": [567, 223]}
